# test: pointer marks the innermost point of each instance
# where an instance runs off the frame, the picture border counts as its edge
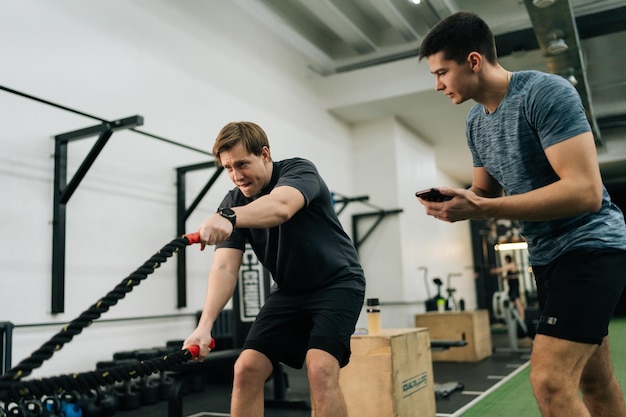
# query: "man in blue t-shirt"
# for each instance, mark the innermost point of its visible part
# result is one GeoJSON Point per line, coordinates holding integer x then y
{"type": "Point", "coordinates": [284, 210]}
{"type": "Point", "coordinates": [535, 161]}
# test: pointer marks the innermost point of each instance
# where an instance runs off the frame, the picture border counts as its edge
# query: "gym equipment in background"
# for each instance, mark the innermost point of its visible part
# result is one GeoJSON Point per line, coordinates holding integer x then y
{"type": "Point", "coordinates": [14, 389]}
{"type": "Point", "coordinates": [432, 302]}
{"type": "Point", "coordinates": [451, 303]}
{"type": "Point", "coordinates": [504, 309]}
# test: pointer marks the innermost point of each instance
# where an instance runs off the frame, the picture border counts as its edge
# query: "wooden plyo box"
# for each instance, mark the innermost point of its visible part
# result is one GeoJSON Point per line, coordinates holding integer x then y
{"type": "Point", "coordinates": [473, 326]}
{"type": "Point", "coordinates": [389, 375]}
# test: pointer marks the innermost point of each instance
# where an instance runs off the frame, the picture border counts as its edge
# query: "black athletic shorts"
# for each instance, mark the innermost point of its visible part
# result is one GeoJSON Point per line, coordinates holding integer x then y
{"type": "Point", "coordinates": [578, 293]}
{"type": "Point", "coordinates": [288, 325]}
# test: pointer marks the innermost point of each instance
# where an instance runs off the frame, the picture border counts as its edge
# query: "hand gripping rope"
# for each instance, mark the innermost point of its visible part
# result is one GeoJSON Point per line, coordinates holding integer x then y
{"type": "Point", "coordinates": [11, 385]}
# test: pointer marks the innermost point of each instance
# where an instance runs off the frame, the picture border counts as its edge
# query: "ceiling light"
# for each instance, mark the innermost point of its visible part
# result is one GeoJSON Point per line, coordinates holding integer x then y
{"type": "Point", "coordinates": [557, 46]}
{"type": "Point", "coordinates": [415, 1]}
{"type": "Point", "coordinates": [511, 246]}
{"type": "Point", "coordinates": [542, 4]}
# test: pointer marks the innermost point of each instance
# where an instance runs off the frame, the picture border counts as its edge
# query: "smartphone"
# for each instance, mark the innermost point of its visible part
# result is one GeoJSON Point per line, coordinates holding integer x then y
{"type": "Point", "coordinates": [432, 194]}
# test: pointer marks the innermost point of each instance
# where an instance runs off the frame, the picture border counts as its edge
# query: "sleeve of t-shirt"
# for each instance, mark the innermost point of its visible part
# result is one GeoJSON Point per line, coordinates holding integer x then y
{"type": "Point", "coordinates": [555, 110]}
{"type": "Point", "coordinates": [301, 175]}
{"type": "Point", "coordinates": [476, 161]}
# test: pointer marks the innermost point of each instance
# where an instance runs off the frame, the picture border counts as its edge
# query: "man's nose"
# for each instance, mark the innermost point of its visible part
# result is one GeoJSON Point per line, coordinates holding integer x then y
{"type": "Point", "coordinates": [237, 174]}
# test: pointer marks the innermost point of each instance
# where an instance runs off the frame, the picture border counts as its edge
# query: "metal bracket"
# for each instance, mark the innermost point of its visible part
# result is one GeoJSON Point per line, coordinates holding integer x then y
{"type": "Point", "coordinates": [380, 213]}
{"type": "Point", "coordinates": [355, 224]}
{"type": "Point", "coordinates": [344, 201]}
{"type": "Point", "coordinates": [182, 214]}
{"type": "Point", "coordinates": [63, 191]}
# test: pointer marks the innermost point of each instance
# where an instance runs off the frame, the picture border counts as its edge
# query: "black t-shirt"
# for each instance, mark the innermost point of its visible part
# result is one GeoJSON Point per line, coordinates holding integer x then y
{"type": "Point", "coordinates": [311, 250]}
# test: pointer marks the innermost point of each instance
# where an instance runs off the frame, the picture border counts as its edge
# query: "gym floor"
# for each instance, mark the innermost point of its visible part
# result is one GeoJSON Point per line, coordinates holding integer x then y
{"type": "Point", "coordinates": [213, 400]}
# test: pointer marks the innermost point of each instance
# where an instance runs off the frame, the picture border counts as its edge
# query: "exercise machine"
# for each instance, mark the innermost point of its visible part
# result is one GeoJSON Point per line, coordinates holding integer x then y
{"type": "Point", "coordinates": [431, 302]}
{"type": "Point", "coordinates": [504, 309]}
{"type": "Point", "coordinates": [451, 303]}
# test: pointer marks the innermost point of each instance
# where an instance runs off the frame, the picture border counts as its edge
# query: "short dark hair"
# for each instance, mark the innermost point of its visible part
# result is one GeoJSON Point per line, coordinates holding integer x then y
{"type": "Point", "coordinates": [249, 134]}
{"type": "Point", "coordinates": [457, 36]}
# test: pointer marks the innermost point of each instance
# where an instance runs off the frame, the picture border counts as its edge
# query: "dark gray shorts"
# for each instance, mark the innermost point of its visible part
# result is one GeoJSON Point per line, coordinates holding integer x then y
{"type": "Point", "coordinates": [578, 293]}
{"type": "Point", "coordinates": [288, 325]}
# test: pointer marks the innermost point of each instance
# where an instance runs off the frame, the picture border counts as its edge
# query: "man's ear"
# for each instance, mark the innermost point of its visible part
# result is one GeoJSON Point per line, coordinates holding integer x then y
{"type": "Point", "coordinates": [265, 154]}
{"type": "Point", "coordinates": [475, 61]}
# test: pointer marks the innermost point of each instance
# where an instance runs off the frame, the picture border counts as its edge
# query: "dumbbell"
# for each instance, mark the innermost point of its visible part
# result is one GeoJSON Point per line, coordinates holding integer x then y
{"type": "Point", "coordinates": [99, 402]}
{"type": "Point", "coordinates": [128, 396]}
{"type": "Point", "coordinates": [71, 405]}
{"type": "Point", "coordinates": [33, 408]}
{"type": "Point", "coordinates": [14, 409]}
{"type": "Point", "coordinates": [53, 405]}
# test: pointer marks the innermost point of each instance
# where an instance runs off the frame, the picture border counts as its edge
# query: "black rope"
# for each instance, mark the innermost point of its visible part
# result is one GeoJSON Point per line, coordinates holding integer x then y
{"type": "Point", "coordinates": [76, 326]}
{"type": "Point", "coordinates": [83, 382]}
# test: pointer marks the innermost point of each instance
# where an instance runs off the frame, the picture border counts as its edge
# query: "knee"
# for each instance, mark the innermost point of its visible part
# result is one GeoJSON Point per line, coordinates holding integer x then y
{"type": "Point", "coordinates": [544, 384]}
{"type": "Point", "coordinates": [249, 372]}
{"type": "Point", "coordinates": [321, 376]}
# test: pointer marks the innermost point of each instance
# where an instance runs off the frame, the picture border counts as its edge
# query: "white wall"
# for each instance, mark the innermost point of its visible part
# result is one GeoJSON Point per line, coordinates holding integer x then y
{"type": "Point", "coordinates": [188, 67]}
{"type": "Point", "coordinates": [390, 164]}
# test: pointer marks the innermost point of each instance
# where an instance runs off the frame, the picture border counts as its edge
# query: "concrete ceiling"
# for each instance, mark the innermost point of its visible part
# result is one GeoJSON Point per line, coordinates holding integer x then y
{"type": "Point", "coordinates": [365, 51]}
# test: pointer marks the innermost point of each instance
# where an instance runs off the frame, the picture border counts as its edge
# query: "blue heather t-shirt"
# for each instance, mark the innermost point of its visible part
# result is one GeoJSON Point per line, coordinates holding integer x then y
{"type": "Point", "coordinates": [538, 111]}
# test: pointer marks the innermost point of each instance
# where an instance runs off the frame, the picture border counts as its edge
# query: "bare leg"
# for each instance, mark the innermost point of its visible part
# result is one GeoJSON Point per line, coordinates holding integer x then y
{"type": "Point", "coordinates": [556, 366]}
{"type": "Point", "coordinates": [323, 372]}
{"type": "Point", "coordinates": [601, 390]}
{"type": "Point", "coordinates": [251, 371]}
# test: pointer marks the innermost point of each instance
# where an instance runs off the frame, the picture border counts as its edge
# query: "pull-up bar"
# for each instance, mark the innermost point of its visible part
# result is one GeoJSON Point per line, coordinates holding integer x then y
{"type": "Point", "coordinates": [90, 116]}
{"type": "Point", "coordinates": [63, 190]}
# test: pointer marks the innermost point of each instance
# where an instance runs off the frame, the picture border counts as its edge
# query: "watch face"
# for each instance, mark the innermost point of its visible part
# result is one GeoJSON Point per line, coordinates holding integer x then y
{"type": "Point", "coordinates": [227, 212]}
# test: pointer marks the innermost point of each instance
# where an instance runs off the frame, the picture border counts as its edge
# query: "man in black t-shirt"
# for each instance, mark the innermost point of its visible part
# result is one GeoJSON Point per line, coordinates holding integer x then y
{"type": "Point", "coordinates": [284, 211]}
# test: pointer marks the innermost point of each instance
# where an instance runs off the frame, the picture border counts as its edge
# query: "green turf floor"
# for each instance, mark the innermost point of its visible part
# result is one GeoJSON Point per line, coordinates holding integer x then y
{"type": "Point", "coordinates": [513, 397]}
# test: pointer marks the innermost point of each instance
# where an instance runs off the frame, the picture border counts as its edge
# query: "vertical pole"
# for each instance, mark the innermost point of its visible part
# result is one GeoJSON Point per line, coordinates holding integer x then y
{"type": "Point", "coordinates": [6, 344]}
{"type": "Point", "coordinates": [182, 213]}
{"type": "Point", "coordinates": [63, 191]}
{"type": "Point", "coordinates": [511, 325]}
{"type": "Point", "coordinates": [58, 227]}
{"type": "Point", "coordinates": [181, 216]}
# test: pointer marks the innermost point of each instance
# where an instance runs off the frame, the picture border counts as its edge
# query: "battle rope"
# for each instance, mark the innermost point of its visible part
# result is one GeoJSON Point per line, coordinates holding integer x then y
{"type": "Point", "coordinates": [82, 382]}
{"type": "Point", "coordinates": [10, 384]}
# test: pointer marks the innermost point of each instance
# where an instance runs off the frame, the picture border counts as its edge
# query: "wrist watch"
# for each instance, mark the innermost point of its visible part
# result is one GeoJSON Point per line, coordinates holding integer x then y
{"type": "Point", "coordinates": [229, 214]}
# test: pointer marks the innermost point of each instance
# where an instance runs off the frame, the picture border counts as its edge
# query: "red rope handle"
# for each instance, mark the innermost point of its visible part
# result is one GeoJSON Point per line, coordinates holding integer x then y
{"type": "Point", "coordinates": [193, 237]}
{"type": "Point", "coordinates": [195, 349]}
